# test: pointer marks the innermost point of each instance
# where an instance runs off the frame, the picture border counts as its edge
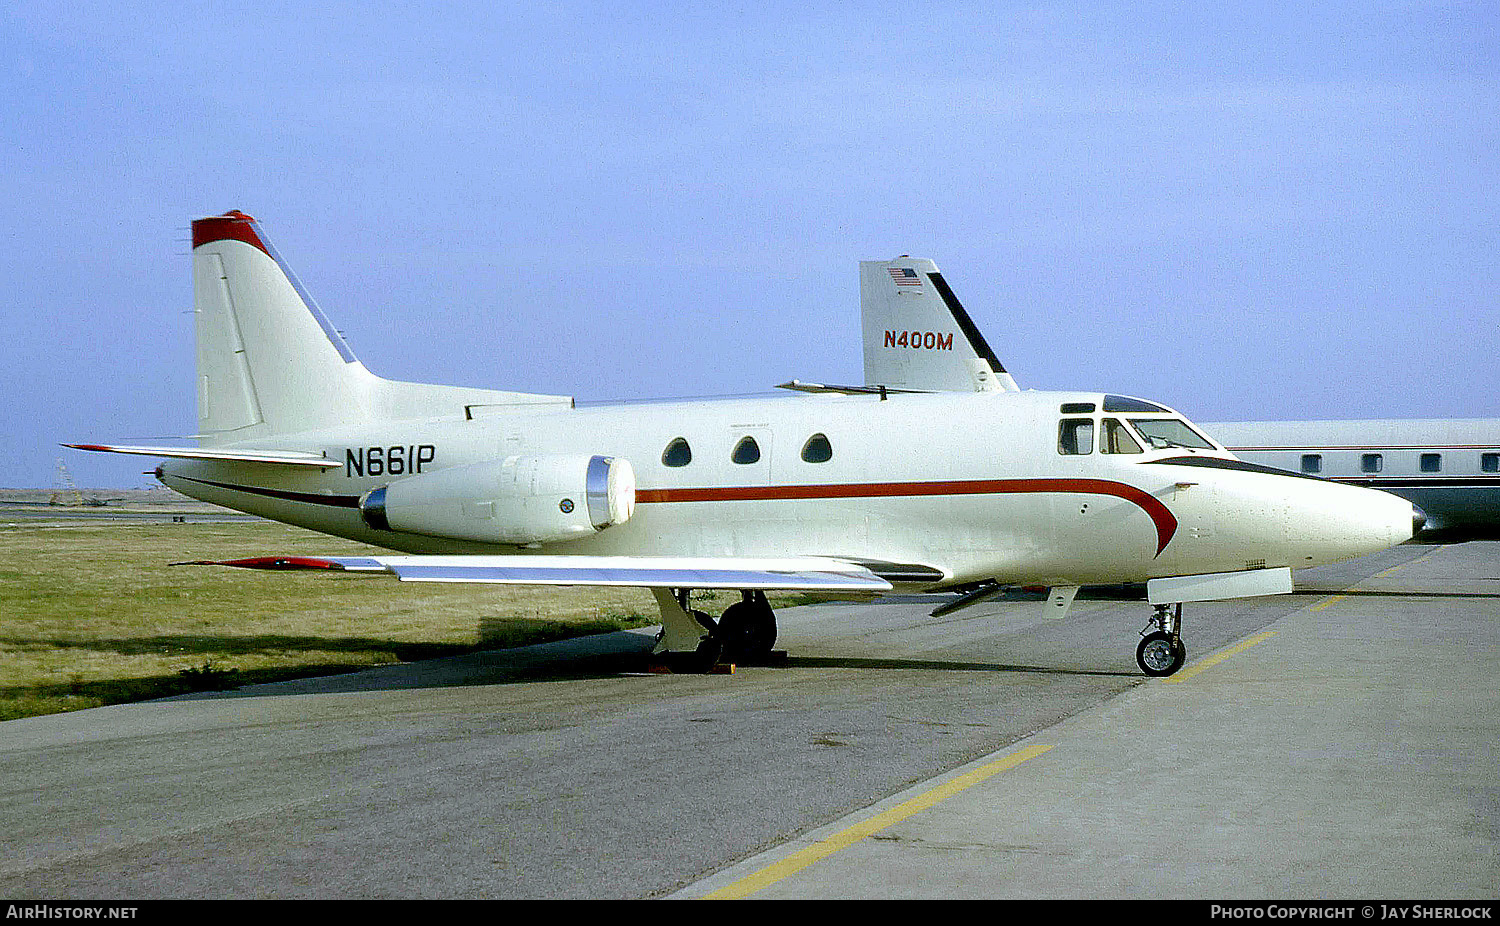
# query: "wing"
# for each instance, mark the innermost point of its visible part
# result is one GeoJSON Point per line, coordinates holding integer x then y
{"type": "Point", "coordinates": [801, 573]}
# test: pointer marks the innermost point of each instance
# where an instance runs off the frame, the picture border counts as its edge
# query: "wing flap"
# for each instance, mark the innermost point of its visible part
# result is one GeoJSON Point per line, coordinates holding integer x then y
{"type": "Point", "coordinates": [792, 573]}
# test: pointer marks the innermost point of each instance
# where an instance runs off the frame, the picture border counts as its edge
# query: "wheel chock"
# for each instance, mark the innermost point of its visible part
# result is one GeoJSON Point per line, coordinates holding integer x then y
{"type": "Point", "coordinates": [664, 667]}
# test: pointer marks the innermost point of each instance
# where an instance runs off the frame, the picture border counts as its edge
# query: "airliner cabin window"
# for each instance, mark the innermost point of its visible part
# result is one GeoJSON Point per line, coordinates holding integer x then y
{"type": "Point", "coordinates": [746, 451]}
{"type": "Point", "coordinates": [1371, 463]}
{"type": "Point", "coordinates": [1432, 463]}
{"type": "Point", "coordinates": [678, 453]}
{"type": "Point", "coordinates": [1312, 462]}
{"type": "Point", "coordinates": [1117, 438]}
{"type": "Point", "coordinates": [1489, 462]}
{"type": "Point", "coordinates": [817, 449]}
{"type": "Point", "coordinates": [1076, 436]}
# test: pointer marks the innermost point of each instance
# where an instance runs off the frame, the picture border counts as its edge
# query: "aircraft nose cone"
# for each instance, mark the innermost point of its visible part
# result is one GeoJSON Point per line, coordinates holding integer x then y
{"type": "Point", "coordinates": [1418, 520]}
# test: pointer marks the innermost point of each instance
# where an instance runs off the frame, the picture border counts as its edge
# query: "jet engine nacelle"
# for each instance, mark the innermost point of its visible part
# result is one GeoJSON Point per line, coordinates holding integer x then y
{"type": "Point", "coordinates": [521, 500]}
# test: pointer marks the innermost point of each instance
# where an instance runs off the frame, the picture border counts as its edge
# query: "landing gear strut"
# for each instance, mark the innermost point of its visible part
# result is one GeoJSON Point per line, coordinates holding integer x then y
{"type": "Point", "coordinates": [691, 641]}
{"type": "Point", "coordinates": [1161, 651]}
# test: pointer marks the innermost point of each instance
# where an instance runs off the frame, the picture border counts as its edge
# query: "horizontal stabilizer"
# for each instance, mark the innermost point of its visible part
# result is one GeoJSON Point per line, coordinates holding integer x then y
{"type": "Point", "coordinates": [274, 457]}
{"type": "Point", "coordinates": [794, 573]}
{"type": "Point", "coordinates": [798, 385]}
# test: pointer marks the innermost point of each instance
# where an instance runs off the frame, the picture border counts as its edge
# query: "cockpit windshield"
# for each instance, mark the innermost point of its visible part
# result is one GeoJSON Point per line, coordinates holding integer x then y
{"type": "Point", "coordinates": [1161, 433]}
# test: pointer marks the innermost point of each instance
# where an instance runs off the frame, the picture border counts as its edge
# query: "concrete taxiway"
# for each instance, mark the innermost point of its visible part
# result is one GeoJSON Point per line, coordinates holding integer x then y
{"type": "Point", "coordinates": [1316, 746]}
{"type": "Point", "coordinates": [1350, 750]}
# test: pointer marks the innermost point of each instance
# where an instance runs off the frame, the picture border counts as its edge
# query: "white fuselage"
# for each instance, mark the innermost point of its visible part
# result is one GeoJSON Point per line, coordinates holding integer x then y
{"type": "Point", "coordinates": [974, 485]}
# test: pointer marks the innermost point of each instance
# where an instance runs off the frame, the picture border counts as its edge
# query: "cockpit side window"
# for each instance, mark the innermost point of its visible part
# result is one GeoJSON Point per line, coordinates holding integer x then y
{"type": "Point", "coordinates": [1075, 436]}
{"type": "Point", "coordinates": [1120, 403]}
{"type": "Point", "coordinates": [1169, 432]}
{"type": "Point", "coordinates": [1117, 438]}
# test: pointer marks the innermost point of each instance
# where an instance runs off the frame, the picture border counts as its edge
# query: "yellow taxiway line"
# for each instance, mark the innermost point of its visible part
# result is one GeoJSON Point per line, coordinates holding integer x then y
{"type": "Point", "coordinates": [799, 860]}
{"type": "Point", "coordinates": [1205, 664]}
{"type": "Point", "coordinates": [1326, 602]}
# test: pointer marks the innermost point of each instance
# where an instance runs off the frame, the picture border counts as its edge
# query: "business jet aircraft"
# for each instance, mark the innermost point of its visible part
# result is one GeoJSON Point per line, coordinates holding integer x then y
{"type": "Point", "coordinates": [1450, 468]}
{"type": "Point", "coordinates": [919, 479]}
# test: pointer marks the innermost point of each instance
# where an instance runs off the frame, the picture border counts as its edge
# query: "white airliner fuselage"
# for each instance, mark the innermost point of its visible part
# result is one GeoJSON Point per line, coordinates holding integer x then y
{"type": "Point", "coordinates": [907, 482]}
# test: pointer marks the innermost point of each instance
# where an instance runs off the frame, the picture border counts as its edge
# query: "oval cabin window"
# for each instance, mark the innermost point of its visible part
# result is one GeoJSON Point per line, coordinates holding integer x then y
{"type": "Point", "coordinates": [746, 451]}
{"type": "Point", "coordinates": [817, 449]}
{"type": "Point", "coordinates": [678, 453]}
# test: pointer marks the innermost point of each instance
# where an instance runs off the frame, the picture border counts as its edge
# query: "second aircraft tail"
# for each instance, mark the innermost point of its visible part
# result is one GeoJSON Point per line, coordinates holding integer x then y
{"type": "Point", "coordinates": [918, 336]}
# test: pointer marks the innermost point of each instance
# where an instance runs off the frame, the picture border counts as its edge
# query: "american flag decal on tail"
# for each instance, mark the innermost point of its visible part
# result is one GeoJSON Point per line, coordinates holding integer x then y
{"type": "Point", "coordinates": [905, 276]}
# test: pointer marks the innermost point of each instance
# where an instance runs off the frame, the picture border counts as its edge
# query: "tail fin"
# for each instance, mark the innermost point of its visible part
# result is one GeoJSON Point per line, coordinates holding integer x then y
{"type": "Point", "coordinates": [918, 336]}
{"type": "Point", "coordinates": [270, 363]}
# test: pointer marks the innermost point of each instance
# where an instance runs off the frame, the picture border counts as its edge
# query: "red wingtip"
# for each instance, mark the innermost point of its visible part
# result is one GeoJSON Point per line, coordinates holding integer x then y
{"type": "Point", "coordinates": [280, 562]}
{"type": "Point", "coordinates": [233, 225]}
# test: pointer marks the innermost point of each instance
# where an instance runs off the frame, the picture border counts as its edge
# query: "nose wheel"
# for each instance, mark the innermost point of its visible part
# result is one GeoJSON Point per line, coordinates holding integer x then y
{"type": "Point", "coordinates": [1161, 652]}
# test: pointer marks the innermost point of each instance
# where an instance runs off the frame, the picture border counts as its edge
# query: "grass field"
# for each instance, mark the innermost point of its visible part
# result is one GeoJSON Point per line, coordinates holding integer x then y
{"type": "Point", "coordinates": [92, 613]}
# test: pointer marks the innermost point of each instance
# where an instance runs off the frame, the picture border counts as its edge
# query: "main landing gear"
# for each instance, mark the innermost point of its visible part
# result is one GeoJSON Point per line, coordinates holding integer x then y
{"type": "Point", "coordinates": [1161, 651]}
{"type": "Point", "coordinates": [691, 641]}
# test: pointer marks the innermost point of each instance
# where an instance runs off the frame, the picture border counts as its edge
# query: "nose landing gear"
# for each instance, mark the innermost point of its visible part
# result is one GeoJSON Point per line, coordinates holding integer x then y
{"type": "Point", "coordinates": [1161, 652]}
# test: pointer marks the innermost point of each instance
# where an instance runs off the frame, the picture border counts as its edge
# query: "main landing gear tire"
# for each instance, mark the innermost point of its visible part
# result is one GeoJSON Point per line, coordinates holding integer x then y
{"type": "Point", "coordinates": [1160, 654]}
{"type": "Point", "coordinates": [747, 629]}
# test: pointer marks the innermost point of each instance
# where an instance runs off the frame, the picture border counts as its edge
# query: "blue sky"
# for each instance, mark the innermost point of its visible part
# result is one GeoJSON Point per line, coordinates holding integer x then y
{"type": "Point", "coordinates": [1269, 211]}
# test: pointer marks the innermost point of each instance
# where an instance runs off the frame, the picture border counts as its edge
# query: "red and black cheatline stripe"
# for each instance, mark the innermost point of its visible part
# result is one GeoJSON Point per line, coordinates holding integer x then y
{"type": "Point", "coordinates": [311, 498]}
{"type": "Point", "coordinates": [1165, 521]}
{"type": "Point", "coordinates": [1161, 517]}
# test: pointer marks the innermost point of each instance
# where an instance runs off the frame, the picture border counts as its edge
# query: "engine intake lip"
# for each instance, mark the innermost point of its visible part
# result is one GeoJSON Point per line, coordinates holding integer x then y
{"type": "Point", "coordinates": [372, 509]}
{"type": "Point", "coordinates": [597, 492]}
